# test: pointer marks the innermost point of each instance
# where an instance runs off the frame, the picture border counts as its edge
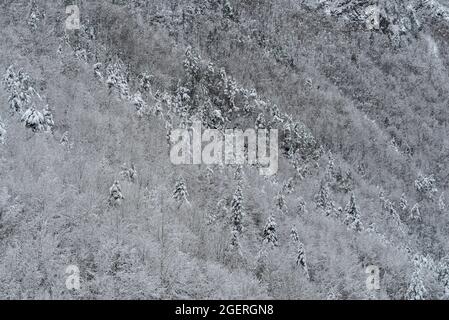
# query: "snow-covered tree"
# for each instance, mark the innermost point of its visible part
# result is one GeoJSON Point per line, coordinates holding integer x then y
{"type": "Point", "coordinates": [129, 174]}
{"type": "Point", "coordinates": [416, 289]}
{"type": "Point", "coordinates": [443, 275]}
{"type": "Point", "coordinates": [300, 254]}
{"type": "Point", "coordinates": [180, 193]}
{"type": "Point", "coordinates": [117, 79]}
{"type": "Point", "coordinates": [64, 138]}
{"type": "Point", "coordinates": [33, 119]}
{"type": "Point", "coordinates": [48, 119]}
{"type": "Point", "coordinates": [260, 122]}
{"type": "Point", "coordinates": [145, 82]}
{"type": "Point", "coordinates": [238, 174]}
{"type": "Point", "coordinates": [425, 185]}
{"type": "Point", "coordinates": [228, 10]}
{"type": "Point", "coordinates": [403, 204]}
{"type": "Point", "coordinates": [97, 71]}
{"type": "Point", "coordinates": [2, 132]}
{"type": "Point", "coordinates": [330, 169]}
{"type": "Point", "coordinates": [19, 86]}
{"type": "Point", "coordinates": [441, 203]}
{"type": "Point", "coordinates": [34, 16]}
{"type": "Point", "coordinates": [140, 104]}
{"type": "Point", "coordinates": [352, 215]}
{"type": "Point", "coordinates": [233, 253]}
{"type": "Point", "coordinates": [415, 213]}
{"type": "Point", "coordinates": [280, 202]}
{"type": "Point", "coordinates": [115, 194]}
{"type": "Point", "coordinates": [301, 258]}
{"type": "Point", "coordinates": [323, 199]}
{"type": "Point", "coordinates": [294, 234]}
{"type": "Point", "coordinates": [38, 121]}
{"type": "Point", "coordinates": [237, 209]}
{"type": "Point", "coordinates": [269, 236]}
{"type": "Point", "coordinates": [288, 187]}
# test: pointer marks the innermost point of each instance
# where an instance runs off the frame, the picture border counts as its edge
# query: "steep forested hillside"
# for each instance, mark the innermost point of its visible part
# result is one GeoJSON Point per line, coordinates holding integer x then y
{"type": "Point", "coordinates": [86, 180]}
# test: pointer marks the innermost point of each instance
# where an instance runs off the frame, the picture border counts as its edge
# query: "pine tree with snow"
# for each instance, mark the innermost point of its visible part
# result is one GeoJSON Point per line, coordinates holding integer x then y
{"type": "Point", "coordinates": [269, 236]}
{"type": "Point", "coordinates": [118, 80]}
{"type": "Point", "coordinates": [300, 254]}
{"type": "Point", "coordinates": [129, 174]}
{"type": "Point", "coordinates": [294, 234]}
{"type": "Point", "coordinates": [443, 276]}
{"type": "Point", "coordinates": [288, 187]}
{"type": "Point", "coordinates": [280, 202]}
{"type": "Point", "coordinates": [18, 85]}
{"type": "Point", "coordinates": [260, 122]}
{"type": "Point", "coordinates": [330, 169]}
{"type": "Point", "coordinates": [97, 71]}
{"type": "Point", "coordinates": [33, 119]}
{"type": "Point", "coordinates": [34, 16]}
{"type": "Point", "coordinates": [415, 213]}
{"type": "Point", "coordinates": [2, 132]}
{"type": "Point", "coordinates": [238, 174]}
{"type": "Point", "coordinates": [228, 10]}
{"type": "Point", "coordinates": [352, 215]}
{"type": "Point", "coordinates": [425, 185]}
{"type": "Point", "coordinates": [403, 204]}
{"type": "Point", "coordinates": [233, 253]}
{"type": "Point", "coordinates": [115, 194]}
{"type": "Point", "coordinates": [48, 119]}
{"type": "Point", "coordinates": [139, 104]}
{"type": "Point", "coordinates": [145, 82]}
{"type": "Point", "coordinates": [64, 138]}
{"type": "Point", "coordinates": [323, 199]}
{"type": "Point", "coordinates": [180, 193]}
{"type": "Point", "coordinates": [416, 289]}
{"type": "Point", "coordinates": [237, 210]}
{"type": "Point", "coordinates": [441, 203]}
{"type": "Point", "coordinates": [301, 258]}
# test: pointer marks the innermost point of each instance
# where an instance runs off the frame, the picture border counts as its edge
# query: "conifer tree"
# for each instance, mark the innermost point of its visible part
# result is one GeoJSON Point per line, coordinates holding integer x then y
{"type": "Point", "coordinates": [129, 174]}
{"type": "Point", "coordinates": [281, 203]}
{"type": "Point", "coordinates": [288, 186]}
{"type": "Point", "coordinates": [294, 234]}
{"type": "Point", "coordinates": [415, 213]}
{"type": "Point", "coordinates": [301, 258]}
{"type": "Point", "coordinates": [403, 204]}
{"type": "Point", "coordinates": [330, 169]}
{"type": "Point", "coordinates": [48, 119]}
{"type": "Point", "coordinates": [228, 10]}
{"type": "Point", "coordinates": [442, 203]}
{"type": "Point", "coordinates": [2, 132]}
{"type": "Point", "coordinates": [33, 119]}
{"type": "Point", "coordinates": [443, 276]}
{"type": "Point", "coordinates": [416, 289]}
{"type": "Point", "coordinates": [180, 193]}
{"type": "Point", "coordinates": [269, 232]}
{"type": "Point", "coordinates": [323, 200]}
{"type": "Point", "coordinates": [425, 185]}
{"type": "Point", "coordinates": [260, 122]}
{"type": "Point", "coordinates": [115, 194]}
{"type": "Point", "coordinates": [18, 85]}
{"type": "Point", "coordinates": [64, 138]}
{"type": "Point", "coordinates": [237, 210]}
{"type": "Point", "coordinates": [300, 254]}
{"type": "Point", "coordinates": [352, 215]}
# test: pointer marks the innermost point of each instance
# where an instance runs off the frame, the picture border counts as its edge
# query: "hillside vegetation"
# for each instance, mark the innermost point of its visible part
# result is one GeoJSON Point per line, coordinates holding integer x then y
{"type": "Point", "coordinates": [86, 178]}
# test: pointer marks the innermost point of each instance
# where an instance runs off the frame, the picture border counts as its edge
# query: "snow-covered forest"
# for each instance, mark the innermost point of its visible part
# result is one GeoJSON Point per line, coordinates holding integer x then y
{"type": "Point", "coordinates": [358, 91]}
